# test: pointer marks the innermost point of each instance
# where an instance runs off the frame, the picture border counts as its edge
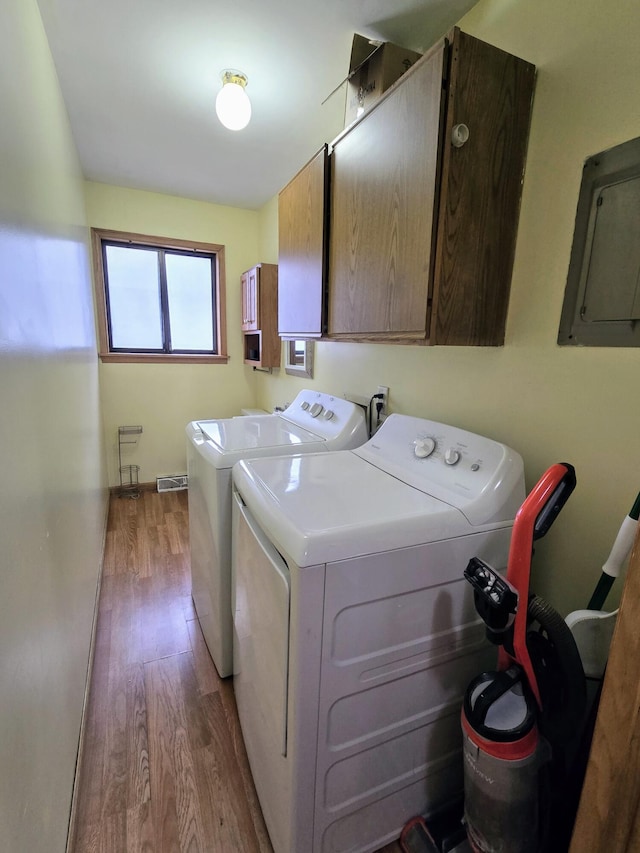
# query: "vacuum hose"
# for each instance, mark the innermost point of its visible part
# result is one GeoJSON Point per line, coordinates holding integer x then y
{"type": "Point", "coordinates": [558, 668]}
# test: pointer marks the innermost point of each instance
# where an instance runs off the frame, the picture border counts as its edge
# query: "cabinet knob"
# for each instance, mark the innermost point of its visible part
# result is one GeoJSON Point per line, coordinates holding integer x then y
{"type": "Point", "coordinates": [459, 135]}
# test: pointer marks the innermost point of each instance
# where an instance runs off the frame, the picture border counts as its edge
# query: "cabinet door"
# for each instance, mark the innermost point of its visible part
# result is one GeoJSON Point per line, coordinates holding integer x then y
{"type": "Point", "coordinates": [262, 346]}
{"type": "Point", "coordinates": [490, 92]}
{"type": "Point", "coordinates": [384, 174]}
{"type": "Point", "coordinates": [302, 250]}
{"type": "Point", "coordinates": [250, 286]}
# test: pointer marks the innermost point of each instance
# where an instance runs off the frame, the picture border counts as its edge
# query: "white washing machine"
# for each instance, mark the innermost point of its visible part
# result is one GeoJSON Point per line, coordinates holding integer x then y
{"type": "Point", "coordinates": [355, 631]}
{"type": "Point", "coordinates": [313, 422]}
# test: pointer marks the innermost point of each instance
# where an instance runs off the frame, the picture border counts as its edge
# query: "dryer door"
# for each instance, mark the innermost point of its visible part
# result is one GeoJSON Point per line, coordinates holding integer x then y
{"type": "Point", "coordinates": [261, 593]}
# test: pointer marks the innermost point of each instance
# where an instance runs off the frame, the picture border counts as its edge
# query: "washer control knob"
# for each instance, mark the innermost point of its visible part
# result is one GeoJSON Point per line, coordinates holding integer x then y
{"type": "Point", "coordinates": [328, 414]}
{"type": "Point", "coordinates": [304, 405]}
{"type": "Point", "coordinates": [423, 447]}
{"type": "Point", "coordinates": [315, 410]}
{"type": "Point", "coordinates": [452, 456]}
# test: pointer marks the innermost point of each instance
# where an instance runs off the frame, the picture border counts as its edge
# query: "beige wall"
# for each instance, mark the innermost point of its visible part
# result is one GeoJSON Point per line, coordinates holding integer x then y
{"type": "Point", "coordinates": [52, 495]}
{"type": "Point", "coordinates": [550, 403]}
{"type": "Point", "coordinates": [268, 224]}
{"type": "Point", "coordinates": [164, 398]}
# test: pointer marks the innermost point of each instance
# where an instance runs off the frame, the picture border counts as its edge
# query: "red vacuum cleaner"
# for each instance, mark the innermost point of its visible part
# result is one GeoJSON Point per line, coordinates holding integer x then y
{"type": "Point", "coordinates": [519, 721]}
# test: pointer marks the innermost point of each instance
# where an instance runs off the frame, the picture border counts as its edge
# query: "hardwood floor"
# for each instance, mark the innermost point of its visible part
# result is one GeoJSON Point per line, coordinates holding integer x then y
{"type": "Point", "coordinates": [163, 769]}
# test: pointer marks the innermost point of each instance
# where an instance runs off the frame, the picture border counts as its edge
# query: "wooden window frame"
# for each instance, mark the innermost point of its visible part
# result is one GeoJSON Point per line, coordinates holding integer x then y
{"type": "Point", "coordinates": [302, 366]}
{"type": "Point", "coordinates": [101, 235]}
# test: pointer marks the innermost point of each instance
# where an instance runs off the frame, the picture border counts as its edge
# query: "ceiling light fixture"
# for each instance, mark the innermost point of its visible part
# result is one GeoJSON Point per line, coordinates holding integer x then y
{"type": "Point", "coordinates": [233, 106]}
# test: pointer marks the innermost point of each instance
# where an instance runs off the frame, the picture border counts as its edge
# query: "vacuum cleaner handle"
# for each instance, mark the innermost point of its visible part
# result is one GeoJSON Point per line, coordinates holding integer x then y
{"type": "Point", "coordinates": [533, 520]}
{"type": "Point", "coordinates": [558, 499]}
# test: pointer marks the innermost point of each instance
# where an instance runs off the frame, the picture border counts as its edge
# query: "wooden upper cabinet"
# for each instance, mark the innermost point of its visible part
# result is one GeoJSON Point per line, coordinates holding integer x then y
{"type": "Point", "coordinates": [491, 92]}
{"type": "Point", "coordinates": [302, 232]}
{"type": "Point", "coordinates": [249, 284]}
{"type": "Point", "coordinates": [259, 287]}
{"type": "Point", "coordinates": [384, 180]}
{"type": "Point", "coordinates": [423, 232]}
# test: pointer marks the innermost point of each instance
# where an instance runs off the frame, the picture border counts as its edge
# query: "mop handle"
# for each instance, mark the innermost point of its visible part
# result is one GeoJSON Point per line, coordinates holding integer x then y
{"type": "Point", "coordinates": [620, 550]}
{"type": "Point", "coordinates": [623, 542]}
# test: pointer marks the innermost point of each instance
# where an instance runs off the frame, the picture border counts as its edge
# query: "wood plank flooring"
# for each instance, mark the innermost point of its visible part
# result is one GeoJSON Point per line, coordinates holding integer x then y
{"type": "Point", "coordinates": [163, 769]}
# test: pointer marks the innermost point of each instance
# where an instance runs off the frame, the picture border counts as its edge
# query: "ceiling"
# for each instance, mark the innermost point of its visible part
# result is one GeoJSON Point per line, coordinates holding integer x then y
{"type": "Point", "coordinates": [140, 77]}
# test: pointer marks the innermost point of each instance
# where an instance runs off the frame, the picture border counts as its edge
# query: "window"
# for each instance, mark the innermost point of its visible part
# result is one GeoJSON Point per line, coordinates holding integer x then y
{"type": "Point", "coordinates": [299, 358]}
{"type": "Point", "coordinates": [159, 299]}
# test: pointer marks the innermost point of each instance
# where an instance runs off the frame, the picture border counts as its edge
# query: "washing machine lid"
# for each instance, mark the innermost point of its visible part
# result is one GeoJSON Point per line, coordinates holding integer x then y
{"type": "Point", "coordinates": [313, 422]}
{"type": "Point", "coordinates": [227, 440]}
{"type": "Point", "coordinates": [320, 508]}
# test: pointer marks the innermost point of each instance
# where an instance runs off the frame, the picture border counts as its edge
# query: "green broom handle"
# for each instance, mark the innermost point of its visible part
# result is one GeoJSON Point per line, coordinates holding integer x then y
{"type": "Point", "coordinates": [619, 552]}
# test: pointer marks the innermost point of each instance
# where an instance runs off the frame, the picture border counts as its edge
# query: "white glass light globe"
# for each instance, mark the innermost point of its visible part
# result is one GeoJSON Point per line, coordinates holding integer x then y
{"type": "Point", "coordinates": [233, 106]}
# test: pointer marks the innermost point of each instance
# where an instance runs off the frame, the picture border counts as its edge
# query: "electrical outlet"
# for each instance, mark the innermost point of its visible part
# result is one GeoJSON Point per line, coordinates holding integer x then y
{"type": "Point", "coordinates": [383, 389]}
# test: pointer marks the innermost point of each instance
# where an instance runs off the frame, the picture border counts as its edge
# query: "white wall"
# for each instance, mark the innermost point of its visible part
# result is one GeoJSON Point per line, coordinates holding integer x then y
{"type": "Point", "coordinates": [550, 403]}
{"type": "Point", "coordinates": [52, 494]}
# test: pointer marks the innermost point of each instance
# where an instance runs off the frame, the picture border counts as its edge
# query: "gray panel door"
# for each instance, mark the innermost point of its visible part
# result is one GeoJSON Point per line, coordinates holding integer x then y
{"type": "Point", "coordinates": [611, 290]}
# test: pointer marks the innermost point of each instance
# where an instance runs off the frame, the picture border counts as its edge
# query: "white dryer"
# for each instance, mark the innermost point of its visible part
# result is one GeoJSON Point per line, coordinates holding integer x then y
{"type": "Point", "coordinates": [355, 632]}
{"type": "Point", "coordinates": [314, 422]}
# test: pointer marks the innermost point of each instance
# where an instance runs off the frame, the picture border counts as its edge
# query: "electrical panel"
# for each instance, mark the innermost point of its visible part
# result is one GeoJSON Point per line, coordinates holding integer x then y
{"type": "Point", "coordinates": [602, 298]}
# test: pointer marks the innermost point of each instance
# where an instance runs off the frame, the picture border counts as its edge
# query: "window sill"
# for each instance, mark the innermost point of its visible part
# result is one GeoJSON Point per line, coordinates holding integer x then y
{"type": "Point", "coordinates": [160, 358]}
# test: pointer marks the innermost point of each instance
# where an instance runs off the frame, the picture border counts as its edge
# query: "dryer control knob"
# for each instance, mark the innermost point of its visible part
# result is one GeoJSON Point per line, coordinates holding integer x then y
{"type": "Point", "coordinates": [304, 405]}
{"type": "Point", "coordinates": [452, 456]}
{"type": "Point", "coordinates": [423, 447]}
{"type": "Point", "coordinates": [315, 410]}
{"type": "Point", "coordinates": [328, 415]}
